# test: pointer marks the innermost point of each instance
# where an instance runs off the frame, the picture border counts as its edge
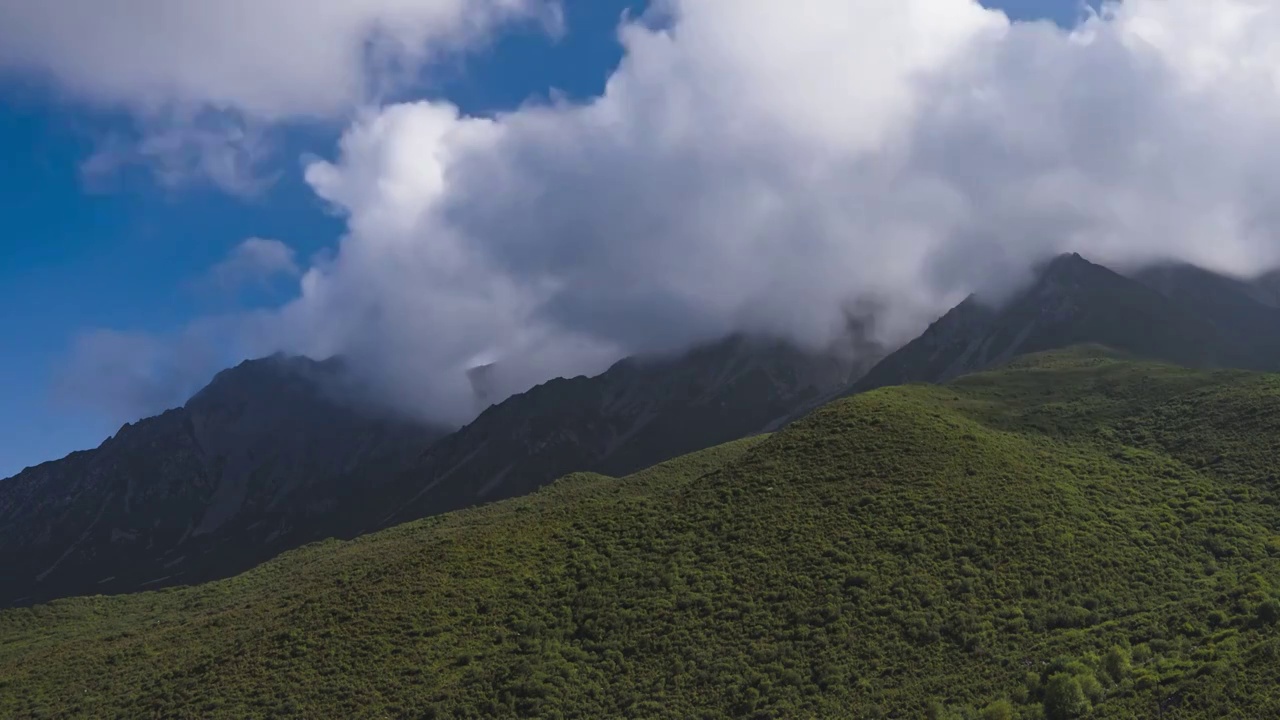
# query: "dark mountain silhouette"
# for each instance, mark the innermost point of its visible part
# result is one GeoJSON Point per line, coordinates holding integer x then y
{"type": "Point", "coordinates": [274, 454]}
{"type": "Point", "coordinates": [251, 465]}
{"type": "Point", "coordinates": [1072, 301]}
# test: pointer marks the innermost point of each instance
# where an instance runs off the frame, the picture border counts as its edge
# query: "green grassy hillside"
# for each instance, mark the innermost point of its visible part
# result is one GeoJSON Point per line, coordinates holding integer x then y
{"type": "Point", "coordinates": [1076, 535]}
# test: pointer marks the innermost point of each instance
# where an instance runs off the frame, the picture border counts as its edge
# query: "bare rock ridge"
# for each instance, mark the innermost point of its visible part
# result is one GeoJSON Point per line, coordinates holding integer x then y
{"type": "Point", "coordinates": [245, 469]}
{"type": "Point", "coordinates": [1176, 313]}
{"type": "Point", "coordinates": [273, 454]}
{"type": "Point", "coordinates": [1074, 301]}
{"type": "Point", "coordinates": [638, 413]}
{"type": "Point", "coordinates": [1245, 312]}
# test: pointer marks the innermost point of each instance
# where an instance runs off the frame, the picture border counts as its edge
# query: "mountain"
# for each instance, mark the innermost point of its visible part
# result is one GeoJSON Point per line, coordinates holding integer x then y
{"type": "Point", "coordinates": [1075, 535]}
{"type": "Point", "coordinates": [1245, 313]}
{"type": "Point", "coordinates": [275, 453]}
{"type": "Point", "coordinates": [1266, 288]}
{"type": "Point", "coordinates": [1071, 301]}
{"type": "Point", "coordinates": [638, 413]}
{"type": "Point", "coordinates": [244, 470]}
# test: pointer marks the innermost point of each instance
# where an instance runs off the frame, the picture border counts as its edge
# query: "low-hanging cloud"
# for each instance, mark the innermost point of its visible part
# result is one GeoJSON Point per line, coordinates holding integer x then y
{"type": "Point", "coordinates": [757, 166]}
{"type": "Point", "coordinates": [761, 166]}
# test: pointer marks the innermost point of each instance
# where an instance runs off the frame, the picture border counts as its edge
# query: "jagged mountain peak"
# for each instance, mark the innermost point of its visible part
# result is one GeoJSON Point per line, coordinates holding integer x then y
{"type": "Point", "coordinates": [230, 478]}
{"type": "Point", "coordinates": [642, 410]}
{"type": "Point", "coordinates": [270, 455]}
{"type": "Point", "coordinates": [1066, 263]}
{"type": "Point", "coordinates": [274, 375]}
{"type": "Point", "coordinates": [1072, 273]}
{"type": "Point", "coordinates": [1070, 301]}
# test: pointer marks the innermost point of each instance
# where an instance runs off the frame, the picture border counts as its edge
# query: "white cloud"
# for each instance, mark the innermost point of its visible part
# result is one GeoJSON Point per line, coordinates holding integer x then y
{"type": "Point", "coordinates": [271, 59]}
{"type": "Point", "coordinates": [760, 165]}
{"type": "Point", "coordinates": [255, 261]}
{"type": "Point", "coordinates": [244, 62]}
{"type": "Point", "coordinates": [230, 153]}
{"type": "Point", "coordinates": [756, 165]}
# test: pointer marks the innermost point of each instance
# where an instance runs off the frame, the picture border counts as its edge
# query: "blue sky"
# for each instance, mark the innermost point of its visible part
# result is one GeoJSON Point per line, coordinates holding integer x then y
{"type": "Point", "coordinates": [129, 254]}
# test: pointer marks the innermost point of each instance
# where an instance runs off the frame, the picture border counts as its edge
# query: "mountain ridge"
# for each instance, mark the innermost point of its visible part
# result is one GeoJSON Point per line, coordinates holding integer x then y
{"type": "Point", "coordinates": [238, 480]}
{"type": "Point", "coordinates": [244, 463]}
{"type": "Point", "coordinates": [1074, 535]}
{"type": "Point", "coordinates": [638, 412]}
{"type": "Point", "coordinates": [1071, 301]}
{"type": "Point", "coordinates": [271, 454]}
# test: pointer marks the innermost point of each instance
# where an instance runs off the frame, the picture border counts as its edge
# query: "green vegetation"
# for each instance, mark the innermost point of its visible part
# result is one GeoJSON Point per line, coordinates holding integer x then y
{"type": "Point", "coordinates": [1077, 535]}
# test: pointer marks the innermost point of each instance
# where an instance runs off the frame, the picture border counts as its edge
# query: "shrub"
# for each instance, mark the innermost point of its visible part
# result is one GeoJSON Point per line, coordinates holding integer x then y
{"type": "Point", "coordinates": [1090, 685]}
{"type": "Point", "coordinates": [1064, 699]}
{"type": "Point", "coordinates": [773, 587]}
{"type": "Point", "coordinates": [998, 710]}
{"type": "Point", "coordinates": [1142, 653]}
{"type": "Point", "coordinates": [1116, 663]}
{"type": "Point", "coordinates": [1268, 612]}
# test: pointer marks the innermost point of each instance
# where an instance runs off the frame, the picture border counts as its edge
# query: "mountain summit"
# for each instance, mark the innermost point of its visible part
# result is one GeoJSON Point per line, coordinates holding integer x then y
{"type": "Point", "coordinates": [1071, 301]}
{"type": "Point", "coordinates": [212, 488]}
{"type": "Point", "coordinates": [640, 412]}
{"type": "Point", "coordinates": [275, 453]}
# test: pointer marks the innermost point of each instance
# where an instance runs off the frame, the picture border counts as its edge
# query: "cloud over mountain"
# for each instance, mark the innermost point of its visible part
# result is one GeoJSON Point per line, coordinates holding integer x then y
{"type": "Point", "coordinates": [763, 166]}
{"type": "Point", "coordinates": [759, 166]}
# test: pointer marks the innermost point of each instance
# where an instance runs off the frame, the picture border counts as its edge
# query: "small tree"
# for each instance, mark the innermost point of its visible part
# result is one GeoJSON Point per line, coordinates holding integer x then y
{"type": "Point", "coordinates": [1116, 663]}
{"type": "Point", "coordinates": [998, 710]}
{"type": "Point", "coordinates": [1064, 699]}
{"type": "Point", "coordinates": [1269, 612]}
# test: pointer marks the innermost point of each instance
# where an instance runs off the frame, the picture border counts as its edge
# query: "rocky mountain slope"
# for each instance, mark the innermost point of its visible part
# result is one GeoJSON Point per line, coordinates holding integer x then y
{"type": "Point", "coordinates": [1072, 301]}
{"type": "Point", "coordinates": [251, 465]}
{"type": "Point", "coordinates": [1246, 313]}
{"type": "Point", "coordinates": [273, 454]}
{"type": "Point", "coordinates": [640, 412]}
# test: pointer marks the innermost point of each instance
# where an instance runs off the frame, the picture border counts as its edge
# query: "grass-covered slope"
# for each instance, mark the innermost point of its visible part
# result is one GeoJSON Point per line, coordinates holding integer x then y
{"type": "Point", "coordinates": [1073, 534]}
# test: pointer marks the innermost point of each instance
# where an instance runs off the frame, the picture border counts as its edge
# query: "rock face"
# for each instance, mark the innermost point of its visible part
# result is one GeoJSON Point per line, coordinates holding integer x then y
{"type": "Point", "coordinates": [257, 462]}
{"type": "Point", "coordinates": [1072, 301]}
{"type": "Point", "coordinates": [1245, 312]}
{"type": "Point", "coordinates": [638, 413]}
{"type": "Point", "coordinates": [274, 454]}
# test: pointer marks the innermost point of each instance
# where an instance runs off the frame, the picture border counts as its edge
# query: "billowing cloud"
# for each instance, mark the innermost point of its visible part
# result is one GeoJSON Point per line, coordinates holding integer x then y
{"type": "Point", "coordinates": [203, 78]}
{"type": "Point", "coordinates": [762, 166]}
{"type": "Point", "coordinates": [255, 261]}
